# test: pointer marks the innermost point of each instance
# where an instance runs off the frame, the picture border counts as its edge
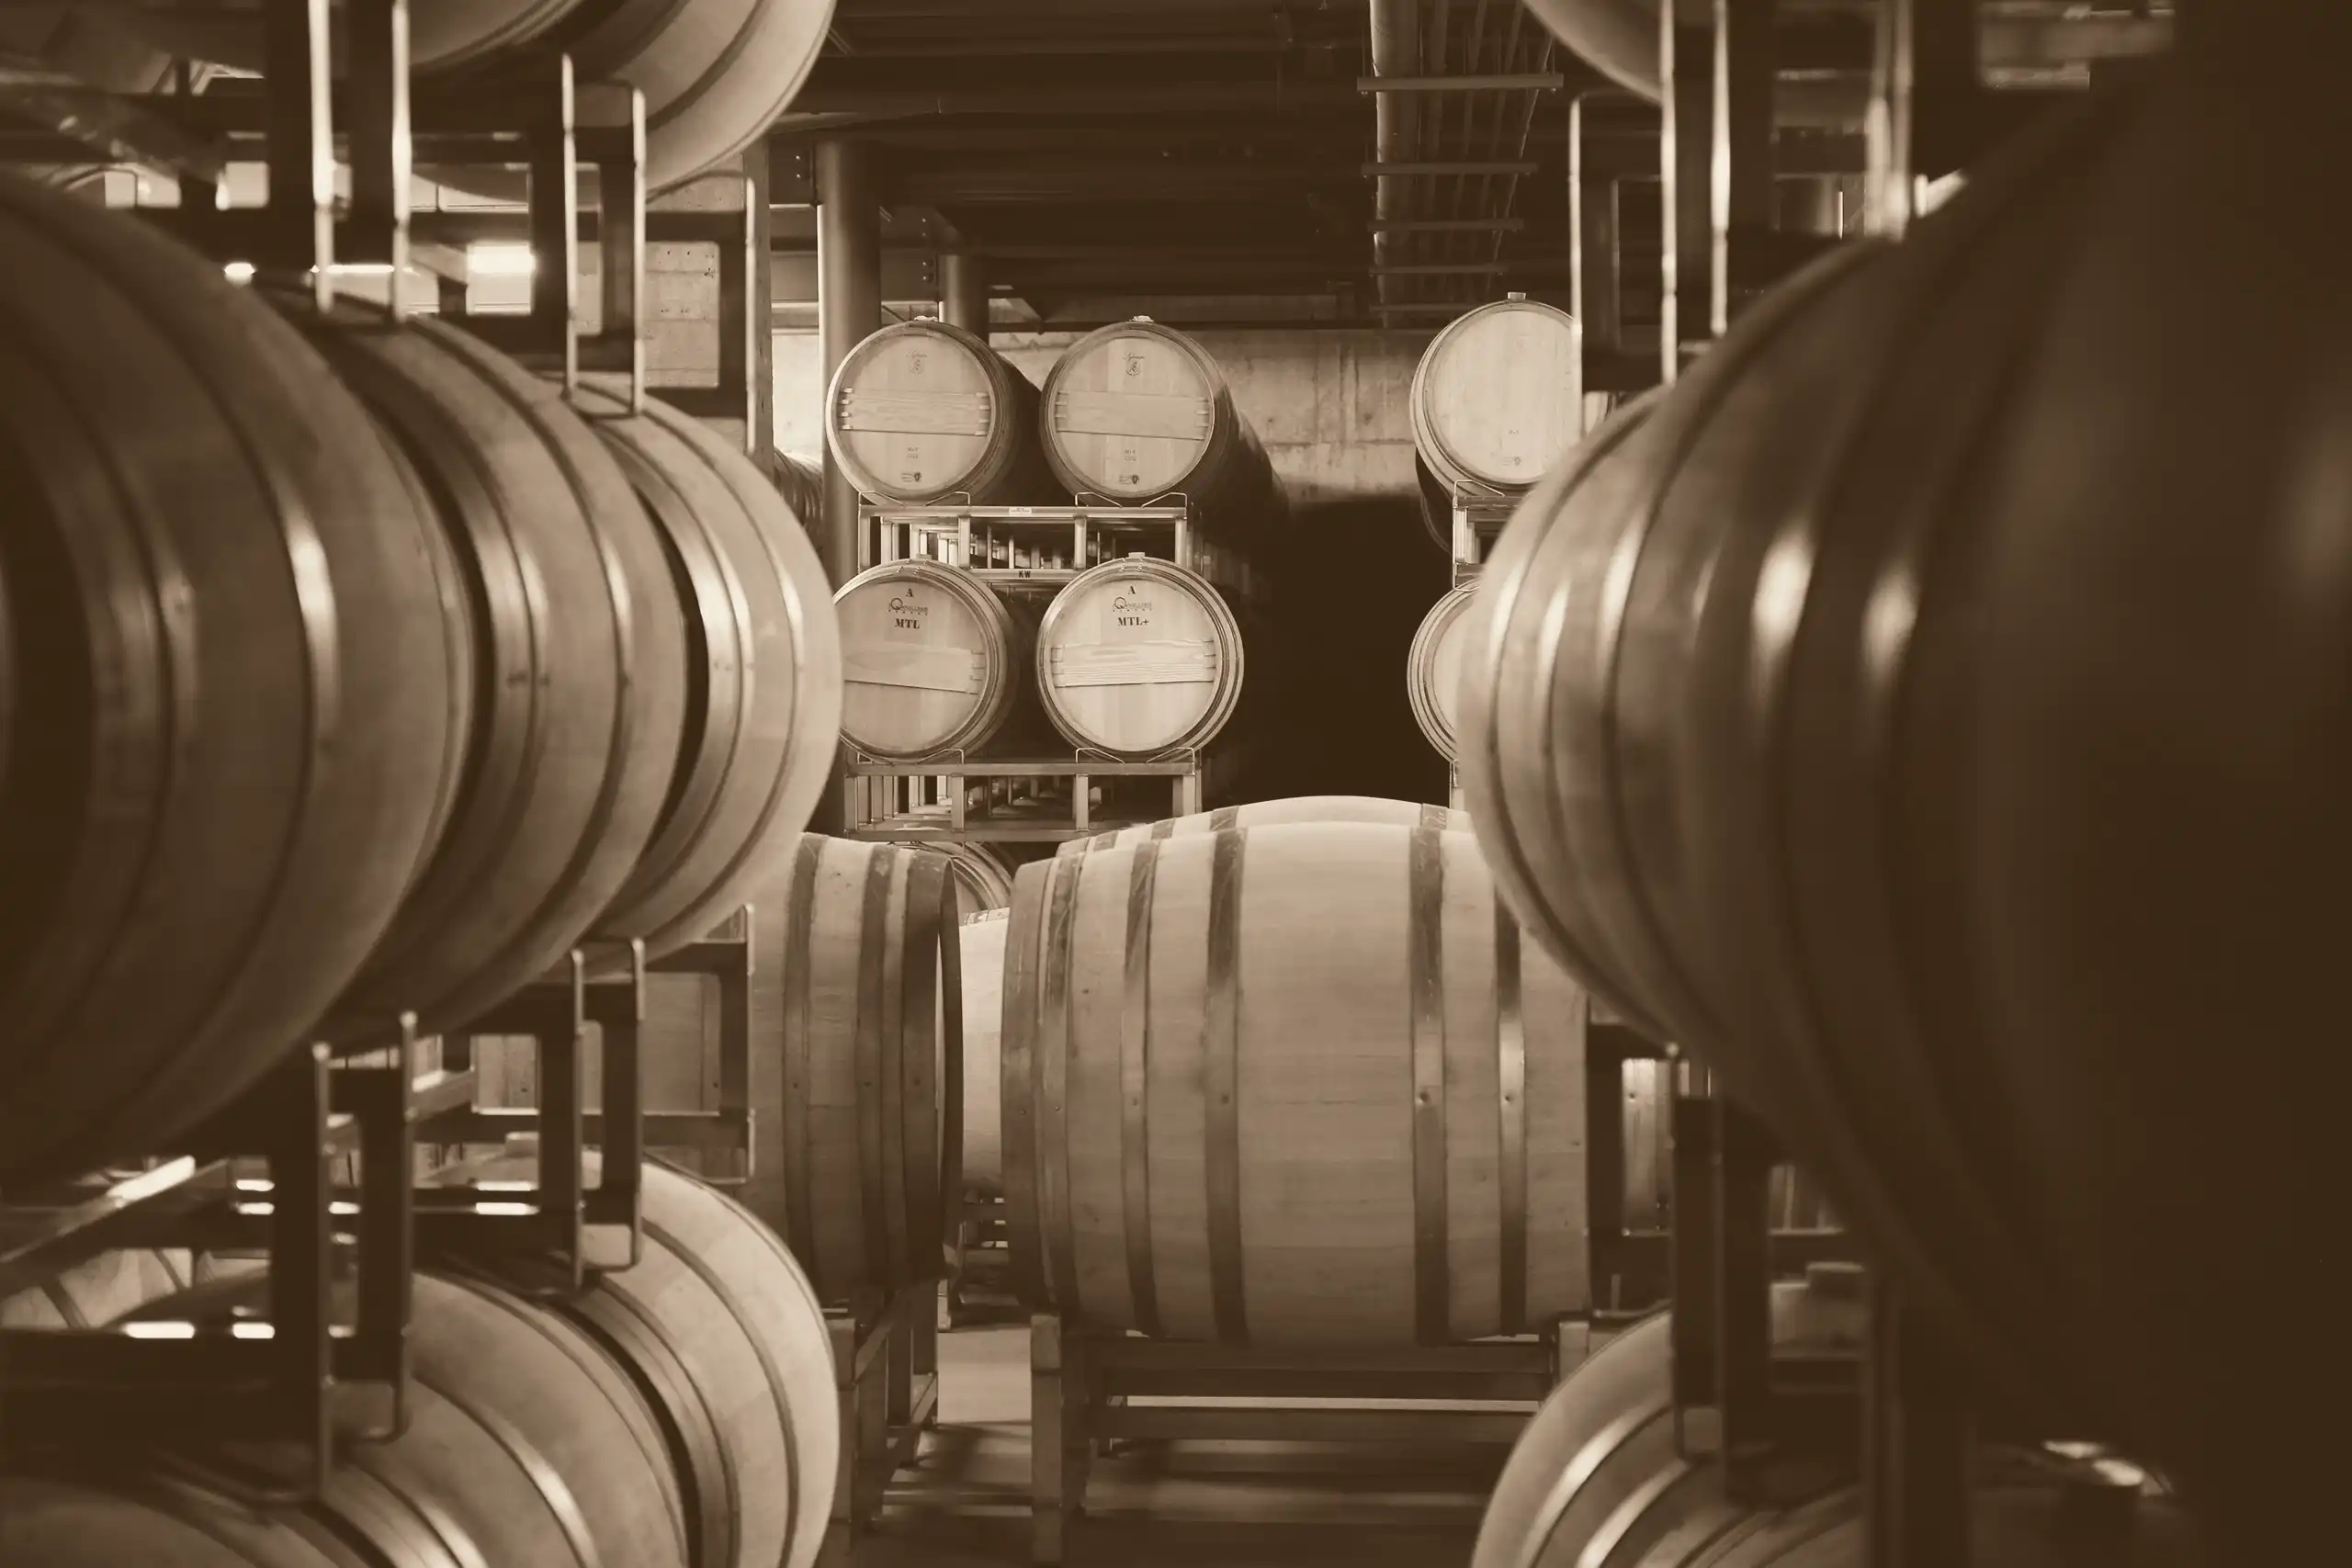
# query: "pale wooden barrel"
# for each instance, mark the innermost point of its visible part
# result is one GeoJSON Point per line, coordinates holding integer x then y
{"type": "Point", "coordinates": [982, 937]}
{"type": "Point", "coordinates": [1137, 657]}
{"type": "Point", "coordinates": [1274, 813]}
{"type": "Point", "coordinates": [1434, 667]}
{"type": "Point", "coordinates": [725, 1340]}
{"type": "Point", "coordinates": [801, 482]}
{"type": "Point", "coordinates": [1597, 1480]}
{"type": "Point", "coordinates": [715, 73]}
{"type": "Point", "coordinates": [921, 411]}
{"type": "Point", "coordinates": [527, 1447]}
{"type": "Point", "coordinates": [1498, 396]}
{"type": "Point", "coordinates": [857, 1012]}
{"type": "Point", "coordinates": [98, 1291]}
{"type": "Point", "coordinates": [1137, 411]}
{"type": "Point", "coordinates": [1289, 1086]}
{"type": "Point", "coordinates": [934, 660]}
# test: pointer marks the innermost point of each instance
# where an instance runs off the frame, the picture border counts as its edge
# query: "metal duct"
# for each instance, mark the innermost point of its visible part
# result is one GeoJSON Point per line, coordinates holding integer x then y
{"type": "Point", "coordinates": [1616, 38]}
{"type": "Point", "coordinates": [1396, 51]}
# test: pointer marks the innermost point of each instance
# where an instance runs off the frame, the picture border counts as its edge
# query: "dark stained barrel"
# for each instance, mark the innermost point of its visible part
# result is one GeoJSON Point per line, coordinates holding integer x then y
{"type": "Point", "coordinates": [715, 73]}
{"type": "Point", "coordinates": [921, 411]}
{"type": "Point", "coordinates": [1977, 736]}
{"type": "Point", "coordinates": [527, 1447]}
{"type": "Point", "coordinates": [723, 1337]}
{"type": "Point", "coordinates": [1138, 412]}
{"type": "Point", "coordinates": [227, 771]}
{"type": "Point", "coordinates": [1597, 1481]}
{"type": "Point", "coordinates": [1297, 1085]}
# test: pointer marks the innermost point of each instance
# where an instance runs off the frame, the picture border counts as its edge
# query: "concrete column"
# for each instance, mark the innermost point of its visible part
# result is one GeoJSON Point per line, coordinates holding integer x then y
{"type": "Point", "coordinates": [964, 291]}
{"type": "Point", "coordinates": [849, 308]}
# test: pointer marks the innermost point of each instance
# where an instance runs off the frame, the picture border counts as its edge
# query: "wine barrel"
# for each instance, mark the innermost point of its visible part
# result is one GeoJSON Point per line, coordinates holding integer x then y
{"type": "Point", "coordinates": [983, 879]}
{"type": "Point", "coordinates": [764, 710]}
{"type": "Point", "coordinates": [982, 947]}
{"type": "Point", "coordinates": [934, 660]}
{"type": "Point", "coordinates": [1497, 398]}
{"type": "Point", "coordinates": [527, 1447]}
{"type": "Point", "coordinates": [1289, 1086]}
{"type": "Point", "coordinates": [1919, 663]}
{"type": "Point", "coordinates": [1434, 667]}
{"type": "Point", "coordinates": [228, 769]}
{"type": "Point", "coordinates": [568, 605]}
{"type": "Point", "coordinates": [1274, 813]}
{"type": "Point", "coordinates": [1138, 412]}
{"type": "Point", "coordinates": [715, 73]}
{"type": "Point", "coordinates": [1598, 1480]}
{"type": "Point", "coordinates": [858, 1146]}
{"type": "Point", "coordinates": [921, 411]}
{"type": "Point", "coordinates": [1138, 658]}
{"type": "Point", "coordinates": [725, 1340]}
{"type": "Point", "coordinates": [801, 482]}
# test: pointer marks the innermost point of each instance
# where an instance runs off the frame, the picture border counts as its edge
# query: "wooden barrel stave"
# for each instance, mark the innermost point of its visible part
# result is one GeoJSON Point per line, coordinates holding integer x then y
{"type": "Point", "coordinates": [1139, 657]}
{"type": "Point", "coordinates": [1137, 411]}
{"type": "Point", "coordinates": [922, 411]}
{"type": "Point", "coordinates": [983, 877]}
{"type": "Point", "coordinates": [935, 660]}
{"type": "Point", "coordinates": [1274, 813]}
{"type": "Point", "coordinates": [574, 614]}
{"type": "Point", "coordinates": [1434, 669]}
{"type": "Point", "coordinates": [305, 716]}
{"type": "Point", "coordinates": [1143, 1210]}
{"type": "Point", "coordinates": [801, 482]}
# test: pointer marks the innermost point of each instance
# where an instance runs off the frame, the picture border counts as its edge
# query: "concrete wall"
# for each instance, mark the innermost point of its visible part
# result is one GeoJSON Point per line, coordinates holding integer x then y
{"type": "Point", "coordinates": [1330, 405]}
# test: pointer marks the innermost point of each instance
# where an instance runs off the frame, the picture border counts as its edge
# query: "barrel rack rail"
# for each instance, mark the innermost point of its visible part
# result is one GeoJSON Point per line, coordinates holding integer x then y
{"type": "Point", "coordinates": [331, 1171]}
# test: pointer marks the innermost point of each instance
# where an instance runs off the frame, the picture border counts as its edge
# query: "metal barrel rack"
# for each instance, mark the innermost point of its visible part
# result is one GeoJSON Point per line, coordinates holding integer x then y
{"type": "Point", "coordinates": [275, 1173]}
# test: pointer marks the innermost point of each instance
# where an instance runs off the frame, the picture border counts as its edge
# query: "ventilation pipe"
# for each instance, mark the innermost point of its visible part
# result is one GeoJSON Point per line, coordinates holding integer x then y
{"type": "Point", "coordinates": [1396, 51]}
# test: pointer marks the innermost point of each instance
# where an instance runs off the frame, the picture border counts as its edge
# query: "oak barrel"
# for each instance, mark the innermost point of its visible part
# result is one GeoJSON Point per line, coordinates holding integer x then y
{"type": "Point", "coordinates": [983, 877]}
{"type": "Point", "coordinates": [245, 695]}
{"type": "Point", "coordinates": [1597, 1480]}
{"type": "Point", "coordinates": [1223, 1122]}
{"type": "Point", "coordinates": [98, 1291]}
{"type": "Point", "coordinates": [567, 601]}
{"type": "Point", "coordinates": [762, 704]}
{"type": "Point", "coordinates": [527, 1447]}
{"type": "Point", "coordinates": [1139, 657]}
{"type": "Point", "coordinates": [1497, 398]}
{"type": "Point", "coordinates": [1273, 813]}
{"type": "Point", "coordinates": [801, 482]}
{"type": "Point", "coordinates": [726, 1342]}
{"type": "Point", "coordinates": [921, 411]}
{"type": "Point", "coordinates": [715, 73]}
{"type": "Point", "coordinates": [1434, 667]}
{"type": "Point", "coordinates": [857, 1010]}
{"type": "Point", "coordinates": [935, 659]}
{"type": "Point", "coordinates": [1138, 412]}
{"type": "Point", "coordinates": [982, 948]}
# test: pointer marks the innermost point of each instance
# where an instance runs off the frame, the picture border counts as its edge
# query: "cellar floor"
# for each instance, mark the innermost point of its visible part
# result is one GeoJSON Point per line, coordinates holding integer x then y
{"type": "Point", "coordinates": [1180, 1506]}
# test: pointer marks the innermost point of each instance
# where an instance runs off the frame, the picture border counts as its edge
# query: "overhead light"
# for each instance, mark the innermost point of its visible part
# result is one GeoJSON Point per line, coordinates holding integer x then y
{"type": "Point", "coordinates": [239, 272]}
{"type": "Point", "coordinates": [495, 259]}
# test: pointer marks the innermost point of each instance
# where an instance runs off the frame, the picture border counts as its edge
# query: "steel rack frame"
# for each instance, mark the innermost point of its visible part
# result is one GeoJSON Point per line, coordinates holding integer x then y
{"type": "Point", "coordinates": [897, 816]}
{"type": "Point", "coordinates": [1085, 1386]}
{"type": "Point", "coordinates": [886, 1372]}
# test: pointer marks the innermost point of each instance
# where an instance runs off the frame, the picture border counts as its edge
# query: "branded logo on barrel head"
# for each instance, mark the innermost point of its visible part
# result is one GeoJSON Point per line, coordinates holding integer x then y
{"type": "Point", "coordinates": [1131, 608]}
{"type": "Point", "coordinates": [908, 614]}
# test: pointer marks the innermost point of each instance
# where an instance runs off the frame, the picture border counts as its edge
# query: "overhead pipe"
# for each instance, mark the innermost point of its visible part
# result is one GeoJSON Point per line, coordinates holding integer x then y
{"type": "Point", "coordinates": [1396, 51]}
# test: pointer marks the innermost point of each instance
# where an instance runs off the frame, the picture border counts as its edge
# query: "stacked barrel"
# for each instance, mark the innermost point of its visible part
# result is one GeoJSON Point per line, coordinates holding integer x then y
{"type": "Point", "coordinates": [1136, 657]}
{"type": "Point", "coordinates": [1933, 714]}
{"type": "Point", "coordinates": [1496, 403]}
